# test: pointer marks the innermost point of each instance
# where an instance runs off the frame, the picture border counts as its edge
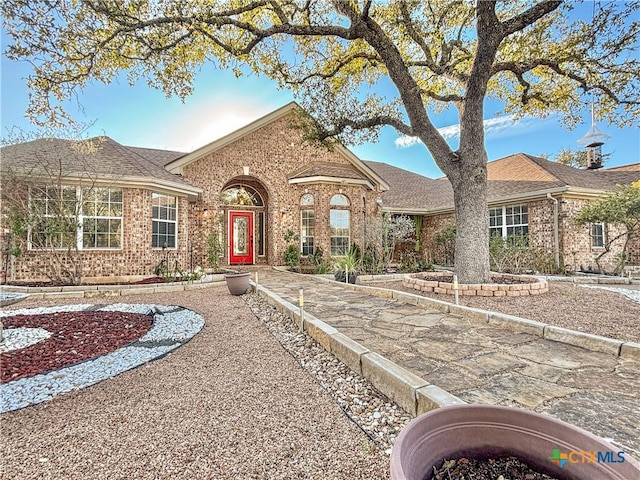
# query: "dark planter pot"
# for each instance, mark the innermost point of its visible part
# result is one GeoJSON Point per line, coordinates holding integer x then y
{"type": "Point", "coordinates": [339, 276]}
{"type": "Point", "coordinates": [487, 431]}
{"type": "Point", "coordinates": [237, 283]}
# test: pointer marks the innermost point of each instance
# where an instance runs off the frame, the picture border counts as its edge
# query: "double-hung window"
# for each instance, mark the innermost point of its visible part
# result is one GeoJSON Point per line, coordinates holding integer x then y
{"type": "Point", "coordinates": [75, 217]}
{"type": "Point", "coordinates": [510, 220]}
{"type": "Point", "coordinates": [307, 224]}
{"type": "Point", "coordinates": [339, 221]}
{"type": "Point", "coordinates": [101, 218]}
{"type": "Point", "coordinates": [597, 235]}
{"type": "Point", "coordinates": [164, 221]}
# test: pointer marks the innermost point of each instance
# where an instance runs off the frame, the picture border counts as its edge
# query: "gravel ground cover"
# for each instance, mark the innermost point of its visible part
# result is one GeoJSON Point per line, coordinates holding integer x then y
{"type": "Point", "coordinates": [231, 403]}
{"type": "Point", "coordinates": [598, 311]}
{"type": "Point", "coordinates": [73, 337]}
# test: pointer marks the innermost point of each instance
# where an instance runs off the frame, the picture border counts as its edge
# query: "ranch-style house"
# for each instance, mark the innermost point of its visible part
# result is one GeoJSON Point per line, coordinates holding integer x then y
{"type": "Point", "coordinates": [251, 187]}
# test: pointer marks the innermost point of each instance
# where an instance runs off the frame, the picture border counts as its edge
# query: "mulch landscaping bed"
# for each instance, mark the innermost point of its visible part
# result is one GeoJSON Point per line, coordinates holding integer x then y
{"type": "Point", "coordinates": [503, 468]}
{"type": "Point", "coordinates": [76, 337]}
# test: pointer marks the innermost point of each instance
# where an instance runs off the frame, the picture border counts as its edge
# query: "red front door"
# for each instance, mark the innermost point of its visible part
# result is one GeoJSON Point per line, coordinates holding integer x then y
{"type": "Point", "coordinates": [241, 238]}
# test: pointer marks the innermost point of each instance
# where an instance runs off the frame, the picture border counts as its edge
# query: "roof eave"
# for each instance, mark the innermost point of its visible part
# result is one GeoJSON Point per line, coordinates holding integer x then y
{"type": "Point", "coordinates": [126, 181]}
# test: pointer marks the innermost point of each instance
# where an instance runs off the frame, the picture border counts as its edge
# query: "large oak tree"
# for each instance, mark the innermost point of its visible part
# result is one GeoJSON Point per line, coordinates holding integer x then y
{"type": "Point", "coordinates": [356, 66]}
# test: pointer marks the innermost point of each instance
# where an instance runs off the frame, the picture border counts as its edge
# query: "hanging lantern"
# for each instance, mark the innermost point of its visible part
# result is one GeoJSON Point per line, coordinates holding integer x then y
{"type": "Point", "coordinates": [593, 141]}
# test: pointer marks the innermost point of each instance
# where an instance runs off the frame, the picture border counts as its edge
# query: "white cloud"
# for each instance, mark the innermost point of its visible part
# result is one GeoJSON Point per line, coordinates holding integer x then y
{"type": "Point", "coordinates": [498, 127]}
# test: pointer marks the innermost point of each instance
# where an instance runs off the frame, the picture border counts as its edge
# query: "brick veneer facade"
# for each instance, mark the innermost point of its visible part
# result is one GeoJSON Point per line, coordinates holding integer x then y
{"type": "Point", "coordinates": [272, 154]}
{"type": "Point", "coordinates": [575, 250]}
{"type": "Point", "coordinates": [135, 258]}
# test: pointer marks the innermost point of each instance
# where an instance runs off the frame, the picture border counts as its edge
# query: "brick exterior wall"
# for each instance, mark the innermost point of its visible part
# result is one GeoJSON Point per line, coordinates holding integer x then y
{"type": "Point", "coordinates": [135, 258]}
{"type": "Point", "coordinates": [575, 250]}
{"type": "Point", "coordinates": [273, 153]}
{"type": "Point", "coordinates": [431, 226]}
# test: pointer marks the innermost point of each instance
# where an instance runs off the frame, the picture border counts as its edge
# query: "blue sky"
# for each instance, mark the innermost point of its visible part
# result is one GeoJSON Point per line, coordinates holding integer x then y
{"type": "Point", "coordinates": [221, 103]}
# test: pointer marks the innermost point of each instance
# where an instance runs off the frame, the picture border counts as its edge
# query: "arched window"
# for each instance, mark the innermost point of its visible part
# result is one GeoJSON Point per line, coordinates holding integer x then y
{"type": "Point", "coordinates": [339, 220]}
{"type": "Point", "coordinates": [307, 223]}
{"type": "Point", "coordinates": [241, 195]}
{"type": "Point", "coordinates": [339, 200]}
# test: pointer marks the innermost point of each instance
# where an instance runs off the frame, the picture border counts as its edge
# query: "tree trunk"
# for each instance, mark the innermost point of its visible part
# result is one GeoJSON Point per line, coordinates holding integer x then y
{"type": "Point", "coordinates": [472, 222]}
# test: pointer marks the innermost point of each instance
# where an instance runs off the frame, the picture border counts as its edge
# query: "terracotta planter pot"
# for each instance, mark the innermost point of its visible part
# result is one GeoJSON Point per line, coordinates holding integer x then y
{"type": "Point", "coordinates": [485, 431]}
{"type": "Point", "coordinates": [237, 283]}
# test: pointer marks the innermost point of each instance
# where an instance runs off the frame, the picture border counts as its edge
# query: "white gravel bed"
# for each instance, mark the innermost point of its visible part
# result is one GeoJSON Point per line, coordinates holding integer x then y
{"type": "Point", "coordinates": [380, 418]}
{"type": "Point", "coordinates": [15, 338]}
{"type": "Point", "coordinates": [231, 404]}
{"type": "Point", "coordinates": [633, 295]}
{"type": "Point", "coordinates": [168, 331]}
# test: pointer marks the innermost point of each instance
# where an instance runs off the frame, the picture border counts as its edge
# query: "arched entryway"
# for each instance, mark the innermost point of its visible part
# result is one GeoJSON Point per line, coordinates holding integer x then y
{"type": "Point", "coordinates": [244, 201]}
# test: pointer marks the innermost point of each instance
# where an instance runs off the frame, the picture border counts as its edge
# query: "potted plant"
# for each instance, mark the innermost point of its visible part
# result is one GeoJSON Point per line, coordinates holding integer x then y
{"type": "Point", "coordinates": [544, 443]}
{"type": "Point", "coordinates": [237, 282]}
{"type": "Point", "coordinates": [347, 265]}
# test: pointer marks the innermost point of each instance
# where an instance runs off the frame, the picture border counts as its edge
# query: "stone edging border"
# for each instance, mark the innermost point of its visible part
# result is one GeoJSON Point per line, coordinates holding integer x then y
{"type": "Point", "coordinates": [172, 327]}
{"type": "Point", "coordinates": [530, 286]}
{"type": "Point", "coordinates": [407, 389]}
{"type": "Point", "coordinates": [90, 291]}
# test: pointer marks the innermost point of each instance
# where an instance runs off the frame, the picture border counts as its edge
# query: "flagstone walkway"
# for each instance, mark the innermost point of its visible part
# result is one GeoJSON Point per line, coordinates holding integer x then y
{"type": "Point", "coordinates": [480, 363]}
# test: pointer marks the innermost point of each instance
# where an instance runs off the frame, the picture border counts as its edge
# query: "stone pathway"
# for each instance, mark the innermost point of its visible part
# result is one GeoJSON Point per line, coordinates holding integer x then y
{"type": "Point", "coordinates": [480, 363]}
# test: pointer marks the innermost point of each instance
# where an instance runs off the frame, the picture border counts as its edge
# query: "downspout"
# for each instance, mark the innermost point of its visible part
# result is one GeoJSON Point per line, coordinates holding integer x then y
{"type": "Point", "coordinates": [556, 244]}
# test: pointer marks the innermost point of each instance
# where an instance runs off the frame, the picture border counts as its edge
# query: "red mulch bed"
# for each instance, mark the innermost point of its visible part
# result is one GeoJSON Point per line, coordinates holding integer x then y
{"type": "Point", "coordinates": [76, 337]}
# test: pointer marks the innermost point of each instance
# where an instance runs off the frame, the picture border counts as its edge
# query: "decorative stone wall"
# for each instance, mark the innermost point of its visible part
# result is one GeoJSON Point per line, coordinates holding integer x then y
{"type": "Point", "coordinates": [524, 286]}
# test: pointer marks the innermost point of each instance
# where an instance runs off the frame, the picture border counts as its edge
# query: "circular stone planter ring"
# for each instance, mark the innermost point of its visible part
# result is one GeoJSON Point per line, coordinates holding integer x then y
{"type": "Point", "coordinates": [513, 286]}
{"type": "Point", "coordinates": [477, 431]}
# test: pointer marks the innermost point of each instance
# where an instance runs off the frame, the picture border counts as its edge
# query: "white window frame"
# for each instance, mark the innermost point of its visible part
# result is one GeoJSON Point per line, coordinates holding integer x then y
{"type": "Point", "coordinates": [167, 221]}
{"type": "Point", "coordinates": [343, 205]}
{"type": "Point", "coordinates": [602, 235]}
{"type": "Point", "coordinates": [503, 215]}
{"type": "Point", "coordinates": [310, 225]}
{"type": "Point", "coordinates": [79, 216]}
{"type": "Point", "coordinates": [307, 204]}
{"type": "Point", "coordinates": [108, 217]}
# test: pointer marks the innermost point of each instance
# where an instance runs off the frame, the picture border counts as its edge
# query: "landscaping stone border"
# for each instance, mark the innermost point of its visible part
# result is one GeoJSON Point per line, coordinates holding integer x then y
{"type": "Point", "coordinates": [527, 285]}
{"type": "Point", "coordinates": [414, 394]}
{"type": "Point", "coordinates": [411, 392]}
{"type": "Point", "coordinates": [90, 291]}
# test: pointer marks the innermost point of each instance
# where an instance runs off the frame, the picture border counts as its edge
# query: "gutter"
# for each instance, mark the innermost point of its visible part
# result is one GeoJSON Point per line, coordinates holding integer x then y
{"type": "Point", "coordinates": [556, 243]}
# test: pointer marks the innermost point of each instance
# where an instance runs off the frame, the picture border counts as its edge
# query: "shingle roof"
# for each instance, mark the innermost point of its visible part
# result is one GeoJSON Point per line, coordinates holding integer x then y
{"type": "Point", "coordinates": [634, 167]}
{"type": "Point", "coordinates": [159, 157]}
{"type": "Point", "coordinates": [513, 176]}
{"type": "Point", "coordinates": [511, 168]}
{"type": "Point", "coordinates": [327, 169]}
{"type": "Point", "coordinates": [99, 157]}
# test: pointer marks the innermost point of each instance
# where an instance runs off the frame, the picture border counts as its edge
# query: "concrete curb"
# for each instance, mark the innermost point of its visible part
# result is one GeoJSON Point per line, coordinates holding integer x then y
{"type": "Point", "coordinates": [414, 394]}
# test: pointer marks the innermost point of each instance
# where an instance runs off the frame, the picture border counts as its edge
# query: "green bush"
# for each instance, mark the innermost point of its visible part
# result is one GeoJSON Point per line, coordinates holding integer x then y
{"type": "Point", "coordinates": [514, 255]}
{"type": "Point", "coordinates": [292, 256]}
